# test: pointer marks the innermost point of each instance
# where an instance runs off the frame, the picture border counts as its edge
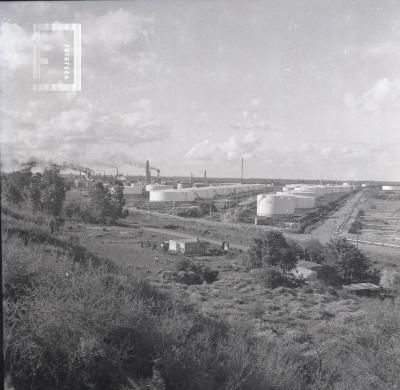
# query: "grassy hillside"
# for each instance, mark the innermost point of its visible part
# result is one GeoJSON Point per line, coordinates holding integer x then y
{"type": "Point", "coordinates": [74, 320]}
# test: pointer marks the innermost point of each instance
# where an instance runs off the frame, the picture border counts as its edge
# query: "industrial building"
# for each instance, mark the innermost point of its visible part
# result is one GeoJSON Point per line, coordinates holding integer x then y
{"type": "Point", "coordinates": [202, 193]}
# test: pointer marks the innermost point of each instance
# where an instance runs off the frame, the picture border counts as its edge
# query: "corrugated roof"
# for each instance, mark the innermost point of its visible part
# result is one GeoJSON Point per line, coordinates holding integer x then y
{"type": "Point", "coordinates": [361, 286]}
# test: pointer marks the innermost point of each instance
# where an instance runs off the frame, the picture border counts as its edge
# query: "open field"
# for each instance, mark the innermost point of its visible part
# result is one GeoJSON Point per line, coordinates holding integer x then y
{"type": "Point", "coordinates": [236, 296]}
{"type": "Point", "coordinates": [381, 217]}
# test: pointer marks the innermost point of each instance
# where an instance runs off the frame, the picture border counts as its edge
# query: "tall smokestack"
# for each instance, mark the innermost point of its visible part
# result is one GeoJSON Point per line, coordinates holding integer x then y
{"type": "Point", "coordinates": [158, 176]}
{"type": "Point", "coordinates": [205, 177]}
{"type": "Point", "coordinates": [148, 176]}
{"type": "Point", "coordinates": [191, 178]}
{"type": "Point", "coordinates": [241, 178]}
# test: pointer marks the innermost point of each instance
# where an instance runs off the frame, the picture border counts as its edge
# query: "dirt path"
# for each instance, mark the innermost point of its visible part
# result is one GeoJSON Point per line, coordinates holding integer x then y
{"type": "Point", "coordinates": [338, 220]}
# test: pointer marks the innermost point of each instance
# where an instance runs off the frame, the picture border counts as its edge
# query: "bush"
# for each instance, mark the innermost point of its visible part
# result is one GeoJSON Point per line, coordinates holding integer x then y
{"type": "Point", "coordinates": [194, 273]}
{"type": "Point", "coordinates": [257, 310]}
{"type": "Point", "coordinates": [271, 248]}
{"type": "Point", "coordinates": [355, 227]}
{"type": "Point", "coordinates": [350, 264]}
{"type": "Point", "coordinates": [272, 277]}
{"type": "Point", "coordinates": [182, 264]}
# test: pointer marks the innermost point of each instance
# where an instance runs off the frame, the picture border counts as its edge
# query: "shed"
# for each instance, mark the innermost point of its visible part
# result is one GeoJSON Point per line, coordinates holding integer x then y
{"type": "Point", "coordinates": [188, 246]}
{"type": "Point", "coordinates": [362, 289]}
{"type": "Point", "coordinates": [309, 270]}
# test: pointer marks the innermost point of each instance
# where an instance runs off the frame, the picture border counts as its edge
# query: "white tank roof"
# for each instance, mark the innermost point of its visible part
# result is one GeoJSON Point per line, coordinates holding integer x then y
{"type": "Point", "coordinates": [269, 205]}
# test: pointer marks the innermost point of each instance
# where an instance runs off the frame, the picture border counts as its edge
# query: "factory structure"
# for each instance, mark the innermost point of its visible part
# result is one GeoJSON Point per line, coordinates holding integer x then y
{"type": "Point", "coordinates": [295, 196]}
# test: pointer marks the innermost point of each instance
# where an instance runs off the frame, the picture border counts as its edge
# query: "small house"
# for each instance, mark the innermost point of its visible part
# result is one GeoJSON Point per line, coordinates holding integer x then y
{"type": "Point", "coordinates": [309, 270]}
{"type": "Point", "coordinates": [188, 246]}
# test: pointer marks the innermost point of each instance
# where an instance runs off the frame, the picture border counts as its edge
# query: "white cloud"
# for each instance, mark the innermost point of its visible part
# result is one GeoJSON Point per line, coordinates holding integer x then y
{"type": "Point", "coordinates": [79, 128]}
{"type": "Point", "coordinates": [230, 149]}
{"type": "Point", "coordinates": [15, 47]}
{"type": "Point", "coordinates": [384, 94]}
{"type": "Point", "coordinates": [116, 29]}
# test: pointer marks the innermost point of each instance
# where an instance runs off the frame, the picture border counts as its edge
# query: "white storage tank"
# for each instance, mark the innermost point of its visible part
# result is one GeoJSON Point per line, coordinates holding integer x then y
{"type": "Point", "coordinates": [133, 190]}
{"type": "Point", "coordinates": [390, 188]}
{"type": "Point", "coordinates": [273, 205]}
{"type": "Point", "coordinates": [172, 196]}
{"type": "Point", "coordinates": [182, 185]}
{"type": "Point", "coordinates": [304, 202]}
{"type": "Point", "coordinates": [158, 187]}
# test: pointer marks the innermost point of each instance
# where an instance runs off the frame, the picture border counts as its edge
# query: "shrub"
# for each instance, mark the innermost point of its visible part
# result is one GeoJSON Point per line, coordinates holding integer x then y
{"type": "Point", "coordinates": [355, 227]}
{"type": "Point", "coordinates": [272, 277]}
{"type": "Point", "coordinates": [271, 248]}
{"type": "Point", "coordinates": [182, 264]}
{"type": "Point", "coordinates": [350, 264]}
{"type": "Point", "coordinates": [190, 272]}
{"type": "Point", "coordinates": [313, 251]}
{"type": "Point", "coordinates": [257, 310]}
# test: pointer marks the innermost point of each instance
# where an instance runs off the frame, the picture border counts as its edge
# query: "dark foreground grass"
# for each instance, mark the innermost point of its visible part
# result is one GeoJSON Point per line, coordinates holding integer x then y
{"type": "Point", "coordinates": [83, 324]}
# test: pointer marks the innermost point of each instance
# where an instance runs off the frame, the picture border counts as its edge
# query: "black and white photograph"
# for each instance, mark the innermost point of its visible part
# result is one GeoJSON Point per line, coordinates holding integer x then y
{"type": "Point", "coordinates": [200, 194]}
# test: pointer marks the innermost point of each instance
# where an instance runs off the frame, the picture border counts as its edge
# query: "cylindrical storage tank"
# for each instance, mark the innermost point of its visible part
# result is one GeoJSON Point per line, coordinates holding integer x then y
{"type": "Point", "coordinates": [304, 202]}
{"type": "Point", "coordinates": [203, 193]}
{"type": "Point", "coordinates": [390, 188]}
{"type": "Point", "coordinates": [305, 193]}
{"type": "Point", "coordinates": [184, 185]}
{"type": "Point", "coordinates": [171, 196]}
{"type": "Point", "coordinates": [275, 205]}
{"type": "Point", "coordinates": [157, 187]}
{"type": "Point", "coordinates": [133, 190]}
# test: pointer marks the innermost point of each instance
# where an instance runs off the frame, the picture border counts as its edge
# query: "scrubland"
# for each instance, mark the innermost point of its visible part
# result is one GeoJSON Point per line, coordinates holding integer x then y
{"type": "Point", "coordinates": [74, 319]}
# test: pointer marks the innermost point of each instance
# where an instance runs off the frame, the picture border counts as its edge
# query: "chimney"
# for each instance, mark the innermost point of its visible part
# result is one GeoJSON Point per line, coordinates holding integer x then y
{"type": "Point", "coordinates": [241, 179]}
{"type": "Point", "coordinates": [158, 176]}
{"type": "Point", "coordinates": [205, 177]}
{"type": "Point", "coordinates": [191, 178]}
{"type": "Point", "coordinates": [148, 176]}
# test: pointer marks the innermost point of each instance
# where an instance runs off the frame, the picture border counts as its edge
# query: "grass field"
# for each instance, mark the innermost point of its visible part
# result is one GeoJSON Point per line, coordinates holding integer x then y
{"type": "Point", "coordinates": [381, 220]}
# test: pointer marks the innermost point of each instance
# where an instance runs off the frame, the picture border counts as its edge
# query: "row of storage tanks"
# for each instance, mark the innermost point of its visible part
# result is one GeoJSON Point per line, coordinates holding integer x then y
{"type": "Point", "coordinates": [139, 188]}
{"type": "Point", "coordinates": [295, 196]}
{"type": "Point", "coordinates": [202, 193]}
{"type": "Point", "coordinates": [390, 188]}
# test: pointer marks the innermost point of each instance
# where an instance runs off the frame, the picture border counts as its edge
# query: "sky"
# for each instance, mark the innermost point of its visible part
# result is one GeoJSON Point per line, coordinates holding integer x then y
{"type": "Point", "coordinates": [298, 88]}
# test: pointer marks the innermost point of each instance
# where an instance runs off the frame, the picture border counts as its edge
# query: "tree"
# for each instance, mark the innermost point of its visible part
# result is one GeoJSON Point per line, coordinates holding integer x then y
{"type": "Point", "coordinates": [52, 188]}
{"type": "Point", "coordinates": [118, 200]}
{"type": "Point", "coordinates": [313, 251]}
{"type": "Point", "coordinates": [13, 194]}
{"type": "Point", "coordinates": [271, 248]}
{"type": "Point", "coordinates": [348, 261]}
{"type": "Point", "coordinates": [33, 192]}
{"type": "Point", "coordinates": [17, 184]}
{"type": "Point", "coordinates": [101, 208]}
